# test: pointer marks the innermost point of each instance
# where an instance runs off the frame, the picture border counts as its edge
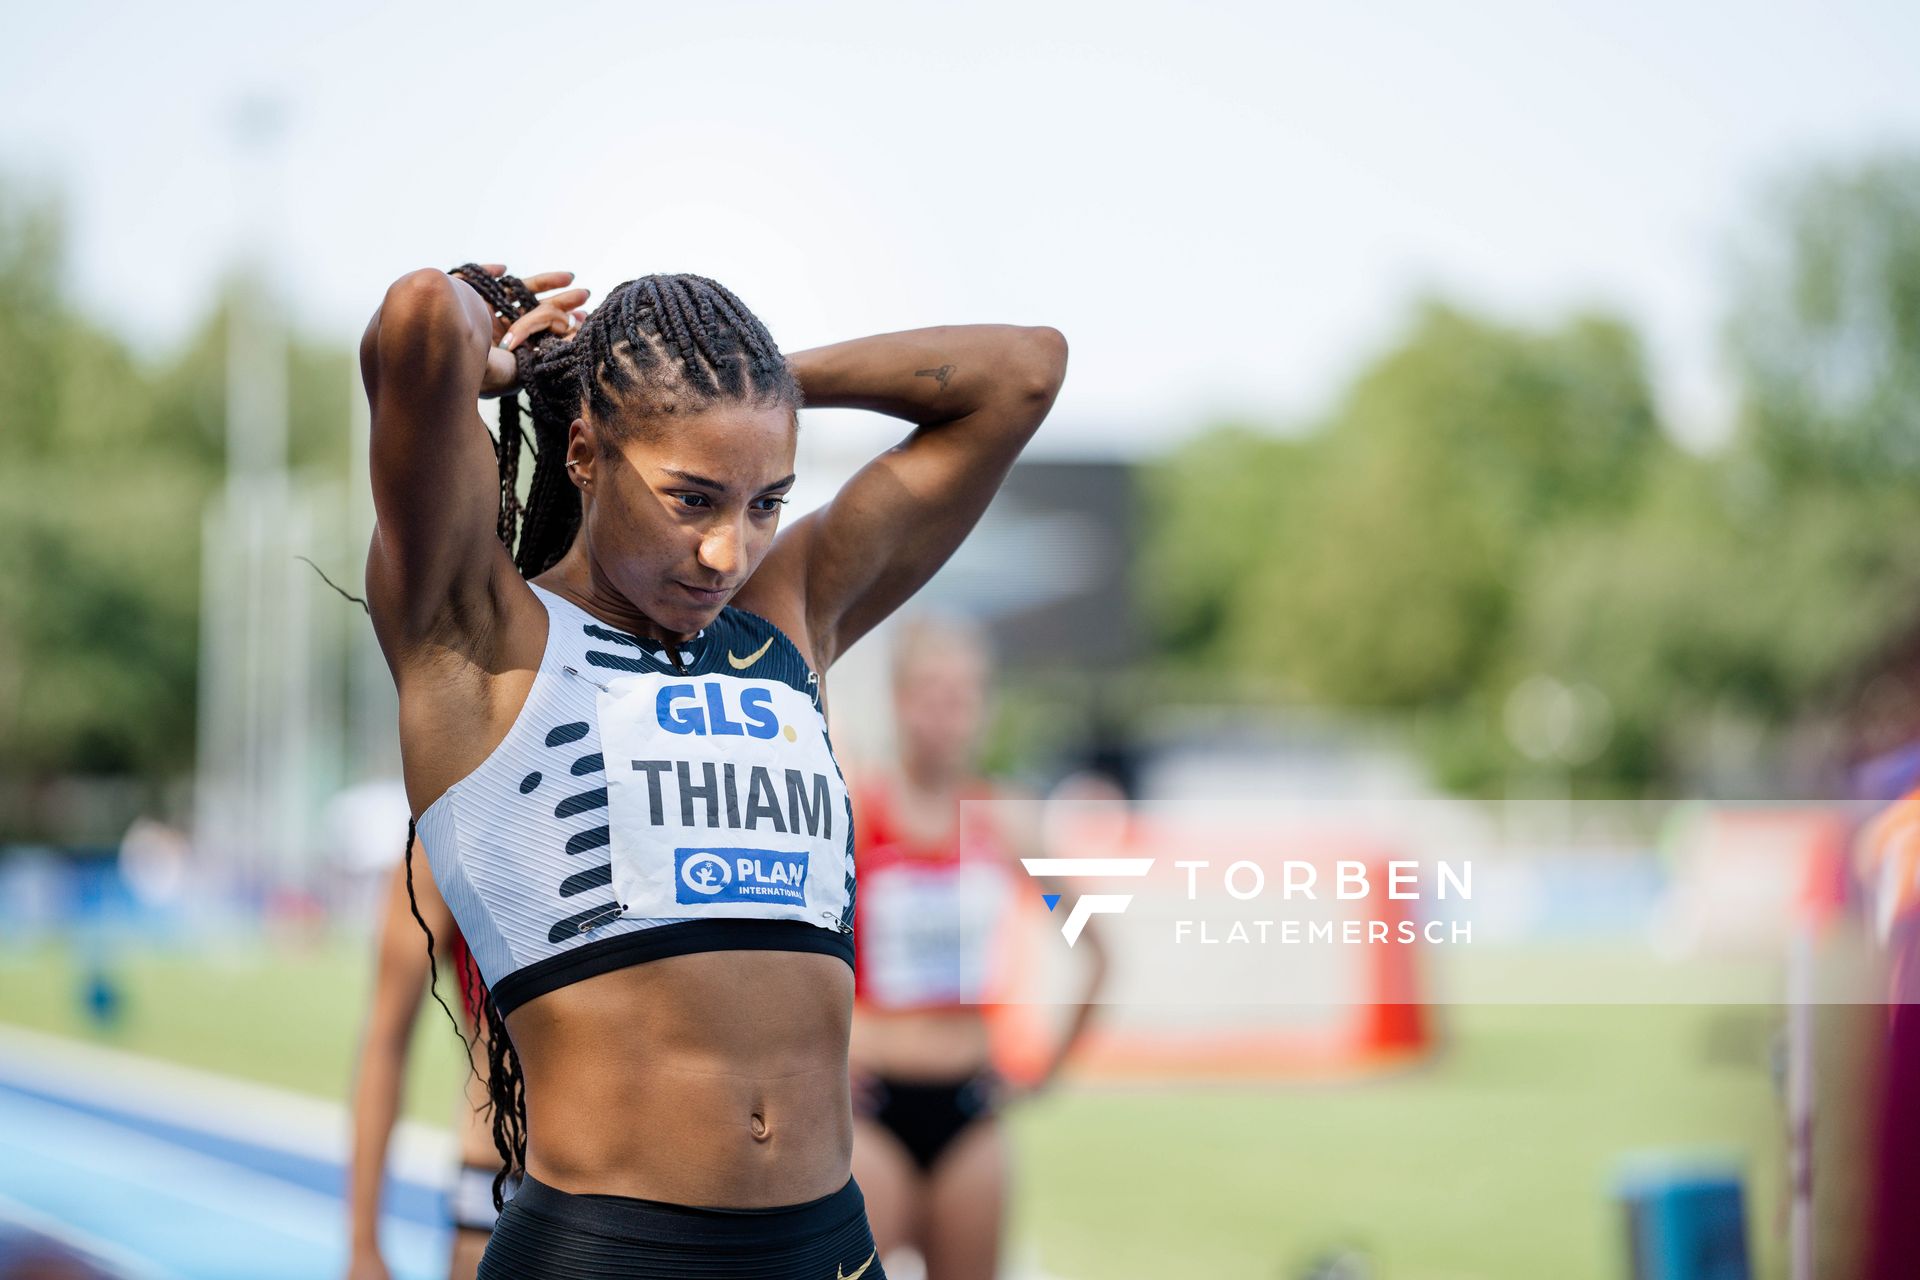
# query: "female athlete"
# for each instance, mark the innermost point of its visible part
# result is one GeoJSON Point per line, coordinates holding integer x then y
{"type": "Point", "coordinates": [402, 975]}
{"type": "Point", "coordinates": [937, 849]}
{"type": "Point", "coordinates": [612, 726]}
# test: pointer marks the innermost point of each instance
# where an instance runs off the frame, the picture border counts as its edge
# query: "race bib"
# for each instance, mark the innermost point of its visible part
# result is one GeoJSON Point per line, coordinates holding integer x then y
{"type": "Point", "coordinates": [927, 932]}
{"type": "Point", "coordinates": [723, 800]}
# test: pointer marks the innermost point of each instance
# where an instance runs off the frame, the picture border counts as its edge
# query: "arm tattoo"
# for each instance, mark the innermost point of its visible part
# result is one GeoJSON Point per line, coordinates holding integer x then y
{"type": "Point", "coordinates": [941, 374]}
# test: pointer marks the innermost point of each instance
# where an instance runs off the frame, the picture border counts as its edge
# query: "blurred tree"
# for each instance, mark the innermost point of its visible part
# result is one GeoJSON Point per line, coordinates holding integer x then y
{"type": "Point", "coordinates": [1213, 508]}
{"type": "Point", "coordinates": [110, 465]}
{"type": "Point", "coordinates": [1825, 330]}
{"type": "Point", "coordinates": [1491, 507]}
{"type": "Point", "coordinates": [98, 534]}
{"type": "Point", "coordinates": [1371, 564]}
{"type": "Point", "coordinates": [1701, 606]}
{"type": "Point", "coordinates": [1766, 585]}
{"type": "Point", "coordinates": [31, 323]}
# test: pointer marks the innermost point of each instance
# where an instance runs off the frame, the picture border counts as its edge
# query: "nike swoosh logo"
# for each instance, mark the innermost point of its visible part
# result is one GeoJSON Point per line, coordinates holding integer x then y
{"type": "Point", "coordinates": [741, 664]}
{"type": "Point", "coordinates": [839, 1274]}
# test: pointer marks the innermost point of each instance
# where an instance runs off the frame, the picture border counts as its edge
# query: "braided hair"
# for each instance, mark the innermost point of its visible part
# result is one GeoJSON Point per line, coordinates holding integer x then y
{"type": "Point", "coordinates": [656, 347]}
{"type": "Point", "coordinates": [659, 346]}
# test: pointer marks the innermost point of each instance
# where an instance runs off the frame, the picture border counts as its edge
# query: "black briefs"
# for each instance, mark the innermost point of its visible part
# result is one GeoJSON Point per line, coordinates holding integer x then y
{"type": "Point", "coordinates": [548, 1234]}
{"type": "Point", "coordinates": [928, 1117]}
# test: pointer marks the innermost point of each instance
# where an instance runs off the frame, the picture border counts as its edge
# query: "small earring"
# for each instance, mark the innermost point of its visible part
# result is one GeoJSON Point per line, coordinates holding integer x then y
{"type": "Point", "coordinates": [572, 465]}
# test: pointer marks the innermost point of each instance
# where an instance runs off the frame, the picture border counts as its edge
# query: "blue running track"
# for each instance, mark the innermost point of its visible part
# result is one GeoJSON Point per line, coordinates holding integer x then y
{"type": "Point", "coordinates": [139, 1192]}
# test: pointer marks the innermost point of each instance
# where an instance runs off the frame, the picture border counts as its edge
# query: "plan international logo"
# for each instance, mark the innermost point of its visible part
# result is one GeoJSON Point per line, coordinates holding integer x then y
{"type": "Point", "coordinates": [740, 875]}
{"type": "Point", "coordinates": [1087, 904]}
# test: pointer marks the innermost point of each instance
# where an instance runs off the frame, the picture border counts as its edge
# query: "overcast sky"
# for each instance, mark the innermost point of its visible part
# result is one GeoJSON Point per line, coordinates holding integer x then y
{"type": "Point", "coordinates": [1225, 207]}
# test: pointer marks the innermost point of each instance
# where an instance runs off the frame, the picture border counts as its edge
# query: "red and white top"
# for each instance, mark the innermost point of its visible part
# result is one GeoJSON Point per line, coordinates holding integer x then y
{"type": "Point", "coordinates": [927, 915]}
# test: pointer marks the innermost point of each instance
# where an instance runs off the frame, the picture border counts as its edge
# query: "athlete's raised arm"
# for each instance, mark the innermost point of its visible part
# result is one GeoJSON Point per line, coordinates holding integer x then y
{"type": "Point", "coordinates": [430, 352]}
{"type": "Point", "coordinates": [976, 394]}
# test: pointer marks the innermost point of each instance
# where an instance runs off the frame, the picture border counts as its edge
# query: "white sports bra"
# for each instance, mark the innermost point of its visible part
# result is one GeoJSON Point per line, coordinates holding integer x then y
{"type": "Point", "coordinates": [649, 804]}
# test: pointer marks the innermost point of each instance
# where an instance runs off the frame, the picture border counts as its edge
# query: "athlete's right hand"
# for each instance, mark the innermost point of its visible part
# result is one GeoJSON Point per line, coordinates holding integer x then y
{"type": "Point", "coordinates": [557, 313]}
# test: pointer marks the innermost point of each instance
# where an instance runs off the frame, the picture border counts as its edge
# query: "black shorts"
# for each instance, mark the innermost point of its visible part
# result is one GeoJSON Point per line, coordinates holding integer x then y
{"type": "Point", "coordinates": [926, 1118]}
{"type": "Point", "coordinates": [548, 1234]}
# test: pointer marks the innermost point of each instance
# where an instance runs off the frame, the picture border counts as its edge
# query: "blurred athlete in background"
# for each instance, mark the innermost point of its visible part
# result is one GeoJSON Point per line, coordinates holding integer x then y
{"type": "Point", "coordinates": [400, 979]}
{"type": "Point", "coordinates": [937, 849]}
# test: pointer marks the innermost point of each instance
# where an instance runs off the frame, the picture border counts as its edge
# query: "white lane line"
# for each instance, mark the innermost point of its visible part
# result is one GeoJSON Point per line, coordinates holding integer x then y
{"type": "Point", "coordinates": [222, 1105]}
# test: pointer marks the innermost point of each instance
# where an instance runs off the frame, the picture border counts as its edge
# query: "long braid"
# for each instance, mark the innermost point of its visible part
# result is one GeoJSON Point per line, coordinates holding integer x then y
{"type": "Point", "coordinates": [433, 966]}
{"type": "Point", "coordinates": [550, 373]}
{"type": "Point", "coordinates": [506, 1083]}
{"type": "Point", "coordinates": [507, 1099]}
{"type": "Point", "coordinates": [508, 298]}
{"type": "Point", "coordinates": [671, 340]}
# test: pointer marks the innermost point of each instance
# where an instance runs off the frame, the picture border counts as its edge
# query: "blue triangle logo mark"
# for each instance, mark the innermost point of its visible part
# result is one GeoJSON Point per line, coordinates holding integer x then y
{"type": "Point", "coordinates": [1051, 899]}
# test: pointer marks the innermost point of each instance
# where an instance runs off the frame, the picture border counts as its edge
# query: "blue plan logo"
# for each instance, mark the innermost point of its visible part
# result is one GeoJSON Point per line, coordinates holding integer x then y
{"type": "Point", "coordinates": [705, 874]}
{"type": "Point", "coordinates": [740, 875]}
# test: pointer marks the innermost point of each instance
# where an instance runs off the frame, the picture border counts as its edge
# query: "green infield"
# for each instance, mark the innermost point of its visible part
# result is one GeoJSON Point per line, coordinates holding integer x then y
{"type": "Point", "coordinates": [1494, 1161]}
